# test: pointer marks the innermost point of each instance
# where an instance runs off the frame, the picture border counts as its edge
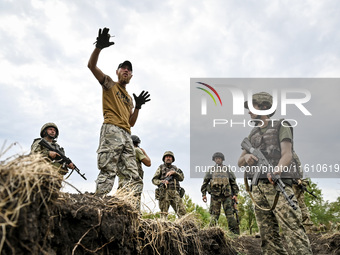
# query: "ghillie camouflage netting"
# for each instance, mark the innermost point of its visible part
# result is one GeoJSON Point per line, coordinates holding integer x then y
{"type": "Point", "coordinates": [36, 218]}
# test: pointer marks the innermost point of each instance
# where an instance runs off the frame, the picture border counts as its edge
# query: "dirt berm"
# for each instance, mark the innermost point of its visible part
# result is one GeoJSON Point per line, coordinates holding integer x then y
{"type": "Point", "coordinates": [36, 218]}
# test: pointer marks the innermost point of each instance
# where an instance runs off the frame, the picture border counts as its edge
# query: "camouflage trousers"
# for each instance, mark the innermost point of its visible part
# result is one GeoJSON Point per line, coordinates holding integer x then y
{"type": "Point", "coordinates": [171, 197]}
{"type": "Point", "coordinates": [215, 211]}
{"type": "Point", "coordinates": [300, 196]}
{"type": "Point", "coordinates": [116, 155]}
{"type": "Point", "coordinates": [284, 217]}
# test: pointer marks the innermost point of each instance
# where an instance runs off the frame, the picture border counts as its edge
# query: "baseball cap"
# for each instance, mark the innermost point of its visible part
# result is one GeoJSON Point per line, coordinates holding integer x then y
{"type": "Point", "coordinates": [125, 63]}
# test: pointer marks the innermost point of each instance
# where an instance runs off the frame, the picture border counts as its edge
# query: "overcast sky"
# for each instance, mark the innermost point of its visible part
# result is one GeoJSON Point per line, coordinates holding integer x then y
{"type": "Point", "coordinates": [45, 46]}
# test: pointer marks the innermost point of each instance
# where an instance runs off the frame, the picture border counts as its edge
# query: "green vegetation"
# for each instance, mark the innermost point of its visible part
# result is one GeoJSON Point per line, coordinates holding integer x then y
{"type": "Point", "coordinates": [322, 212]}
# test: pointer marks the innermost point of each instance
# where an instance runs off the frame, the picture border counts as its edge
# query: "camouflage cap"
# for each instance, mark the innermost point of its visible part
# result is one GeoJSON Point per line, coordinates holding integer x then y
{"type": "Point", "coordinates": [261, 98]}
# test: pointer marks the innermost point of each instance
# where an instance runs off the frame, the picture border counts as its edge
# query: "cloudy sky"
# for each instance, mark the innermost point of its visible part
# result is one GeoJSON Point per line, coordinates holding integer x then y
{"type": "Point", "coordinates": [45, 46]}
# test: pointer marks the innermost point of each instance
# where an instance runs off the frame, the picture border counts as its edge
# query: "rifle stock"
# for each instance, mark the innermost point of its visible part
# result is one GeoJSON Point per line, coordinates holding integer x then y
{"type": "Point", "coordinates": [65, 159]}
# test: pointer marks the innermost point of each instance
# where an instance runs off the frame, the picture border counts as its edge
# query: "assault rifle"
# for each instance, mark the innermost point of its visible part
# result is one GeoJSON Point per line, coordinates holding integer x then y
{"type": "Point", "coordinates": [65, 159]}
{"type": "Point", "coordinates": [281, 187]}
{"type": "Point", "coordinates": [303, 187]}
{"type": "Point", "coordinates": [263, 163]}
{"type": "Point", "coordinates": [169, 178]}
{"type": "Point", "coordinates": [235, 210]}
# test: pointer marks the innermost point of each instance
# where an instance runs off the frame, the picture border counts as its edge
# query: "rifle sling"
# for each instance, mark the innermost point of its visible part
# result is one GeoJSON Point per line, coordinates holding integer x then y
{"type": "Point", "coordinates": [252, 198]}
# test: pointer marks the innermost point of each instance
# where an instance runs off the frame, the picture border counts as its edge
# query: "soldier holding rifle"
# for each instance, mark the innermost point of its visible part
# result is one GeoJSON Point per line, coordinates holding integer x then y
{"type": "Point", "coordinates": [275, 142]}
{"type": "Point", "coordinates": [169, 191]}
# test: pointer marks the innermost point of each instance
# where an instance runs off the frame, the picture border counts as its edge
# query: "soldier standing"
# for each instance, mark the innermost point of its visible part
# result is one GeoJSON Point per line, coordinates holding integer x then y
{"type": "Point", "coordinates": [50, 133]}
{"type": "Point", "coordinates": [221, 184]}
{"type": "Point", "coordinates": [276, 141]}
{"type": "Point", "coordinates": [169, 191]}
{"type": "Point", "coordinates": [141, 156]}
{"type": "Point", "coordinates": [115, 145]}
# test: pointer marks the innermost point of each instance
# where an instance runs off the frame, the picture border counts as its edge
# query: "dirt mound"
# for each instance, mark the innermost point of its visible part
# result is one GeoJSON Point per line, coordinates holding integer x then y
{"type": "Point", "coordinates": [36, 218]}
{"type": "Point", "coordinates": [322, 244]}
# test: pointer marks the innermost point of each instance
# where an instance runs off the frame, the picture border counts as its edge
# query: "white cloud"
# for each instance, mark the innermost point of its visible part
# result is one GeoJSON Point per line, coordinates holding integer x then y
{"type": "Point", "coordinates": [46, 46]}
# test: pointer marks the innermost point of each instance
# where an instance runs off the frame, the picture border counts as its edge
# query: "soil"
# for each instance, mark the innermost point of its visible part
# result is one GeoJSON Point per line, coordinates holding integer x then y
{"type": "Point", "coordinates": [322, 244]}
{"type": "Point", "coordinates": [85, 224]}
{"type": "Point", "coordinates": [36, 218]}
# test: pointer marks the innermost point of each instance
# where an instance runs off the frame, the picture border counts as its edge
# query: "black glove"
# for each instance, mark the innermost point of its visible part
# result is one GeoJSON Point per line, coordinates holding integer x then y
{"type": "Point", "coordinates": [141, 99]}
{"type": "Point", "coordinates": [103, 39]}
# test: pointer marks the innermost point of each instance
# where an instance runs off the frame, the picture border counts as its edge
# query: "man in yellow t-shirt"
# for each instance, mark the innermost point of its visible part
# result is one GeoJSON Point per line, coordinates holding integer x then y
{"type": "Point", "coordinates": [116, 153]}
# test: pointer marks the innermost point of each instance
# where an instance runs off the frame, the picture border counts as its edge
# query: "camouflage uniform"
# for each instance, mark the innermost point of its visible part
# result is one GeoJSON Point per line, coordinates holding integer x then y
{"type": "Point", "coordinates": [169, 195]}
{"type": "Point", "coordinates": [116, 154]}
{"type": "Point", "coordinates": [139, 157]}
{"type": "Point", "coordinates": [37, 148]}
{"type": "Point", "coordinates": [221, 184]}
{"type": "Point", "coordinates": [300, 196]}
{"type": "Point", "coordinates": [283, 217]}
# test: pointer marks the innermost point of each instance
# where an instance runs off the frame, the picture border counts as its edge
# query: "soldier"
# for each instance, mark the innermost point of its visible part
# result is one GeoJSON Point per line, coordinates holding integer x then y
{"type": "Point", "coordinates": [275, 140]}
{"type": "Point", "coordinates": [115, 145]}
{"type": "Point", "coordinates": [221, 184]}
{"type": "Point", "coordinates": [50, 133]}
{"type": "Point", "coordinates": [169, 191]}
{"type": "Point", "coordinates": [300, 196]}
{"type": "Point", "coordinates": [141, 156]}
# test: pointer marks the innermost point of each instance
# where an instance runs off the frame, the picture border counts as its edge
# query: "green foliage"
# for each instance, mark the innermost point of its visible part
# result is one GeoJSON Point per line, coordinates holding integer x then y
{"type": "Point", "coordinates": [201, 213]}
{"type": "Point", "coordinates": [246, 212]}
{"type": "Point", "coordinates": [321, 212]}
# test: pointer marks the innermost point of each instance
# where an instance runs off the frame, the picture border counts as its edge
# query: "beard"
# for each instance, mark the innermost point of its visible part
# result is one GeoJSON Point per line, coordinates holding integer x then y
{"type": "Point", "coordinates": [123, 79]}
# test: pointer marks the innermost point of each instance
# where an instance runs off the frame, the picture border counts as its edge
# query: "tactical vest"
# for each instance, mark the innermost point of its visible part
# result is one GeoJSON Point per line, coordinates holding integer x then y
{"type": "Point", "coordinates": [57, 162]}
{"type": "Point", "coordinates": [269, 144]}
{"type": "Point", "coordinates": [173, 183]}
{"type": "Point", "coordinates": [219, 176]}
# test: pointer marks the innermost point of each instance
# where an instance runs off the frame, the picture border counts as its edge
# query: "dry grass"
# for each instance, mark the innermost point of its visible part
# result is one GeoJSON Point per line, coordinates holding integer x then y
{"type": "Point", "coordinates": [167, 235]}
{"type": "Point", "coordinates": [28, 179]}
{"type": "Point", "coordinates": [21, 181]}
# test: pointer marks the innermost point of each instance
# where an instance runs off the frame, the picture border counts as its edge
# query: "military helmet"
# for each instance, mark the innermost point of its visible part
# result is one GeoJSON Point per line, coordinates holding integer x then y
{"type": "Point", "coordinates": [261, 98]}
{"type": "Point", "coordinates": [135, 139]}
{"type": "Point", "coordinates": [218, 155]}
{"type": "Point", "coordinates": [45, 126]}
{"type": "Point", "coordinates": [169, 153]}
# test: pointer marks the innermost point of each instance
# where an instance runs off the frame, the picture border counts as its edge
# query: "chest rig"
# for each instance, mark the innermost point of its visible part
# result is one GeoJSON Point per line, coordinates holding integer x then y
{"type": "Point", "coordinates": [173, 183]}
{"type": "Point", "coordinates": [219, 176]}
{"type": "Point", "coordinates": [268, 143]}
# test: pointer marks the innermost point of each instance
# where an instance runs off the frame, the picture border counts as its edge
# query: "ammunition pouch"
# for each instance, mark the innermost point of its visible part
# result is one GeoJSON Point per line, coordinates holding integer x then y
{"type": "Point", "coordinates": [209, 189]}
{"type": "Point", "coordinates": [157, 191]}
{"type": "Point", "coordinates": [181, 192]}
